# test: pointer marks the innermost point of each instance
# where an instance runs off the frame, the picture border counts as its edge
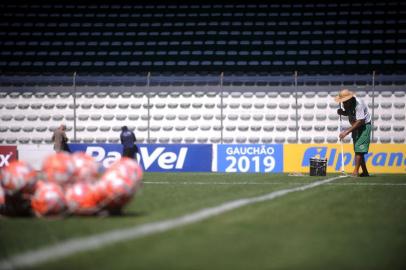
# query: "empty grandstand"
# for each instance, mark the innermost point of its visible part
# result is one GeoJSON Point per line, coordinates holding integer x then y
{"type": "Point", "coordinates": [200, 73]}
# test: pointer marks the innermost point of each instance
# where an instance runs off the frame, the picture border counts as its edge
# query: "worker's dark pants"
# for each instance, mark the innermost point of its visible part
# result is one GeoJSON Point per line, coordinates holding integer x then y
{"type": "Point", "coordinates": [130, 152]}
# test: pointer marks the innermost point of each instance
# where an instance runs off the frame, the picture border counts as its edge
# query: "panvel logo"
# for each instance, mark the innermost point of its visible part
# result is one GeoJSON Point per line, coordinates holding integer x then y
{"type": "Point", "coordinates": [165, 160]}
{"type": "Point", "coordinates": [381, 158]}
{"type": "Point", "coordinates": [102, 156]}
{"type": "Point", "coordinates": [155, 157]}
{"type": "Point", "coordinates": [175, 157]}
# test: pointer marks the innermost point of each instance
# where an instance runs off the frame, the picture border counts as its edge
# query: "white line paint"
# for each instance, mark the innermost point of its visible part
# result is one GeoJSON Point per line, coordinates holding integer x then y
{"type": "Point", "coordinates": [270, 183]}
{"type": "Point", "coordinates": [368, 184]}
{"type": "Point", "coordinates": [76, 245]}
{"type": "Point", "coordinates": [214, 183]}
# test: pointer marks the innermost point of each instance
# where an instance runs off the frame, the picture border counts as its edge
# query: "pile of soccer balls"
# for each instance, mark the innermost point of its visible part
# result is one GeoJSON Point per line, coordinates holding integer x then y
{"type": "Point", "coordinates": [68, 184]}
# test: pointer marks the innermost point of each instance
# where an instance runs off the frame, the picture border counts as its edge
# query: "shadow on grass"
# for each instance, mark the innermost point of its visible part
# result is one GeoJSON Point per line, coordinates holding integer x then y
{"type": "Point", "coordinates": [121, 214]}
{"type": "Point", "coordinates": [104, 214]}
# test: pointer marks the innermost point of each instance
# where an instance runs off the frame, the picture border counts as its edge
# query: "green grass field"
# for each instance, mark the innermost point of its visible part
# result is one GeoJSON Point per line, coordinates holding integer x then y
{"type": "Point", "coordinates": [350, 223]}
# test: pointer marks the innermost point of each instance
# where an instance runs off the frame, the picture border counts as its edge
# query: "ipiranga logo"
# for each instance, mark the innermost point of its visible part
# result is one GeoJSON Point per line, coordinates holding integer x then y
{"type": "Point", "coordinates": [375, 158]}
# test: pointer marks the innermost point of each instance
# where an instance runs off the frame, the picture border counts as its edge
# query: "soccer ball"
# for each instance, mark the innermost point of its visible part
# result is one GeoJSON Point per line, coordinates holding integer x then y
{"type": "Point", "coordinates": [80, 199]}
{"type": "Point", "coordinates": [118, 190]}
{"type": "Point", "coordinates": [100, 193]}
{"type": "Point", "coordinates": [59, 168]}
{"type": "Point", "coordinates": [127, 167]}
{"type": "Point", "coordinates": [18, 176]}
{"type": "Point", "coordinates": [86, 168]}
{"type": "Point", "coordinates": [48, 199]}
{"type": "Point", "coordinates": [119, 183]}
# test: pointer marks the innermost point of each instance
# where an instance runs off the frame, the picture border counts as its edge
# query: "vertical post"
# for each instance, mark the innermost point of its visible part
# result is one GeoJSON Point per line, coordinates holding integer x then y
{"type": "Point", "coordinates": [373, 105]}
{"type": "Point", "coordinates": [221, 107]}
{"type": "Point", "coordinates": [341, 144]}
{"type": "Point", "coordinates": [74, 106]}
{"type": "Point", "coordinates": [296, 108]}
{"type": "Point", "coordinates": [148, 107]}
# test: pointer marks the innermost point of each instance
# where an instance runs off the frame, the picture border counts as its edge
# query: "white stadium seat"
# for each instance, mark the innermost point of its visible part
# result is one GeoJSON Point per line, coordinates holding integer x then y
{"type": "Point", "coordinates": [332, 139]}
{"type": "Point", "coordinates": [280, 140]}
{"type": "Point", "coordinates": [215, 140]}
{"type": "Point", "coordinates": [23, 106]}
{"type": "Point", "coordinates": [164, 140]}
{"type": "Point", "coordinates": [385, 139]}
{"type": "Point", "coordinates": [399, 105]}
{"type": "Point", "coordinates": [101, 139]}
{"type": "Point", "coordinates": [399, 94]}
{"type": "Point", "coordinates": [176, 140]}
{"type": "Point", "coordinates": [399, 139]}
{"type": "Point", "coordinates": [305, 139]}
{"type": "Point", "coordinates": [318, 139]}
{"type": "Point", "coordinates": [167, 128]}
{"type": "Point", "coordinates": [268, 128]}
{"type": "Point", "coordinates": [254, 140]}
{"type": "Point", "coordinates": [266, 140]}
{"type": "Point", "coordinates": [398, 128]}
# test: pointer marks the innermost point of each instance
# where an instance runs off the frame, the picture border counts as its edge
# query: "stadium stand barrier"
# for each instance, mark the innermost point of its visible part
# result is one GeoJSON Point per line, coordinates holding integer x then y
{"type": "Point", "coordinates": [216, 108]}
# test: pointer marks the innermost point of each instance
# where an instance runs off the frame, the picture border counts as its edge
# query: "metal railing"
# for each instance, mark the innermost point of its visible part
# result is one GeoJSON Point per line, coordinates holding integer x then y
{"type": "Point", "coordinates": [293, 82]}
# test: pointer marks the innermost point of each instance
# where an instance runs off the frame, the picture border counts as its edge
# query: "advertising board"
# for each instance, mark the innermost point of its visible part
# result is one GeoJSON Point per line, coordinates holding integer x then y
{"type": "Point", "coordinates": [155, 157]}
{"type": "Point", "coordinates": [251, 158]}
{"type": "Point", "coordinates": [382, 158]}
{"type": "Point", "coordinates": [8, 153]}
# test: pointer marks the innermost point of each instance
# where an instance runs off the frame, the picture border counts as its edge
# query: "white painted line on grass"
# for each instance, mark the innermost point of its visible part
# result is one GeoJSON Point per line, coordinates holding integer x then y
{"type": "Point", "coordinates": [369, 184]}
{"type": "Point", "coordinates": [269, 183]}
{"type": "Point", "coordinates": [76, 245]}
{"type": "Point", "coordinates": [214, 183]}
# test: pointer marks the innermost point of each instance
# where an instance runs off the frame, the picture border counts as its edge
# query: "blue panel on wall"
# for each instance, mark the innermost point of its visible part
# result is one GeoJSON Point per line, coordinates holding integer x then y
{"type": "Point", "coordinates": [252, 158]}
{"type": "Point", "coordinates": [155, 157]}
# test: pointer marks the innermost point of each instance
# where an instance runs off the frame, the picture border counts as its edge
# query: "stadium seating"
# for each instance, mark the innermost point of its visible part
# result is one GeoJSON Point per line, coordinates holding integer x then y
{"type": "Point", "coordinates": [284, 36]}
{"type": "Point", "coordinates": [200, 73]}
{"type": "Point", "coordinates": [193, 118]}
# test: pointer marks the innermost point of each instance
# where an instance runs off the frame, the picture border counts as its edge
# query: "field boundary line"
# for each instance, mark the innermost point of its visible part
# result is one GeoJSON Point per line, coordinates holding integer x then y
{"type": "Point", "coordinates": [266, 183]}
{"type": "Point", "coordinates": [81, 244]}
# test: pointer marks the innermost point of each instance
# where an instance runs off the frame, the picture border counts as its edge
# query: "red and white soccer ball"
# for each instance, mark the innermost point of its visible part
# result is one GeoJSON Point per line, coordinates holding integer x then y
{"type": "Point", "coordinates": [100, 193]}
{"type": "Point", "coordinates": [18, 176]}
{"type": "Point", "coordinates": [127, 167]}
{"type": "Point", "coordinates": [59, 168]}
{"type": "Point", "coordinates": [86, 168]}
{"type": "Point", "coordinates": [119, 183]}
{"type": "Point", "coordinates": [118, 190]}
{"type": "Point", "coordinates": [81, 199]}
{"type": "Point", "coordinates": [48, 199]}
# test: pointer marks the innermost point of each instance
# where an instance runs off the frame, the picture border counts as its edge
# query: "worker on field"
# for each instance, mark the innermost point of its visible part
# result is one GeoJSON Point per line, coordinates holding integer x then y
{"type": "Point", "coordinates": [360, 120]}
{"type": "Point", "coordinates": [60, 139]}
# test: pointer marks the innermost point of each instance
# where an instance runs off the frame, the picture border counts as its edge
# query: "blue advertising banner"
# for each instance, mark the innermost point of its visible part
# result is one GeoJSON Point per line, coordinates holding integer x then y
{"type": "Point", "coordinates": [176, 157]}
{"type": "Point", "coordinates": [105, 154]}
{"type": "Point", "coordinates": [252, 158]}
{"type": "Point", "coordinates": [155, 157]}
